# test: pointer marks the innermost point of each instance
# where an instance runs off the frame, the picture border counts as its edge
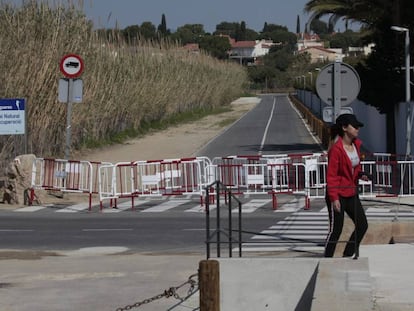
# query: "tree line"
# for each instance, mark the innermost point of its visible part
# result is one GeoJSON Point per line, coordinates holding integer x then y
{"type": "Point", "coordinates": [195, 33]}
{"type": "Point", "coordinates": [278, 69]}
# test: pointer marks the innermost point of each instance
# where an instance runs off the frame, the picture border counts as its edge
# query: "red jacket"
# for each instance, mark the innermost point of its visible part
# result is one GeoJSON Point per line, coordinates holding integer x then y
{"type": "Point", "coordinates": [341, 181]}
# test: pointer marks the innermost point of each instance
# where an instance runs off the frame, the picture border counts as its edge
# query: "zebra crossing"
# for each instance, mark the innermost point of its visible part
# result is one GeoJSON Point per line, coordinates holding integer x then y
{"type": "Point", "coordinates": [166, 205]}
{"type": "Point", "coordinates": [298, 219]}
{"type": "Point", "coordinates": [306, 231]}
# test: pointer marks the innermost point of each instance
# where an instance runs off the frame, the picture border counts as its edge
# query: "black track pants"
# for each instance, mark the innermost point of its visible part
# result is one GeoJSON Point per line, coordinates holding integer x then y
{"type": "Point", "coordinates": [352, 206]}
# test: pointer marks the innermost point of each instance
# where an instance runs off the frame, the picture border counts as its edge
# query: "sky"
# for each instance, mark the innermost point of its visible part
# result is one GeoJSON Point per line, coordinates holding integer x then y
{"type": "Point", "coordinates": [108, 13]}
{"type": "Point", "coordinates": [209, 13]}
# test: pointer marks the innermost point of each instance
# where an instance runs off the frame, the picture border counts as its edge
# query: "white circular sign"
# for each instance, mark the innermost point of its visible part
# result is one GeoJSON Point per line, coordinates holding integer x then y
{"type": "Point", "coordinates": [71, 65]}
{"type": "Point", "coordinates": [350, 84]}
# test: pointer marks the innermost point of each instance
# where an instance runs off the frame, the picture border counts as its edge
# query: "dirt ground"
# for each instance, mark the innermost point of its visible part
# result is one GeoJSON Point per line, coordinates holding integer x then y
{"type": "Point", "coordinates": [175, 142]}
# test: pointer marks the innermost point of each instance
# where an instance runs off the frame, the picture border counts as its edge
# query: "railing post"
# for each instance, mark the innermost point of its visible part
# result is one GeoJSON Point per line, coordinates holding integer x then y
{"type": "Point", "coordinates": [218, 222]}
{"type": "Point", "coordinates": [356, 254]}
{"type": "Point", "coordinates": [230, 228]}
{"type": "Point", "coordinates": [208, 221]}
{"type": "Point", "coordinates": [240, 229]}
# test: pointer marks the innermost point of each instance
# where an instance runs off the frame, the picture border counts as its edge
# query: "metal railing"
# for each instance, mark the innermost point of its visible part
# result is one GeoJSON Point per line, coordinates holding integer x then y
{"type": "Point", "coordinates": [218, 234]}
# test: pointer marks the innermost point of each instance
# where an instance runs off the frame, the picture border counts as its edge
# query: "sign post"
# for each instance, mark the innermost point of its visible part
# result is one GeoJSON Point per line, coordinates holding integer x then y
{"type": "Point", "coordinates": [337, 92]}
{"type": "Point", "coordinates": [338, 85]}
{"type": "Point", "coordinates": [71, 65]}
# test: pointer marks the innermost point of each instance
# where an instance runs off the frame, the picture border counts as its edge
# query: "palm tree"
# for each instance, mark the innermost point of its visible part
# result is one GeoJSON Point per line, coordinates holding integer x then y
{"type": "Point", "coordinates": [382, 85]}
{"type": "Point", "coordinates": [366, 12]}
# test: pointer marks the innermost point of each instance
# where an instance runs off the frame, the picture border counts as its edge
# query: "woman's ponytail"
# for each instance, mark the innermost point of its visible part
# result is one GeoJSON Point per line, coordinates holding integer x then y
{"type": "Point", "coordinates": [336, 130]}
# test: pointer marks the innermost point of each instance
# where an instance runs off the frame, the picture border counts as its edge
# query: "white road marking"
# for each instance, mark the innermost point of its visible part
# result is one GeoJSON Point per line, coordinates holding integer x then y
{"type": "Point", "coordinates": [304, 232]}
{"type": "Point", "coordinates": [198, 209]}
{"type": "Point", "coordinates": [109, 229]}
{"type": "Point", "coordinates": [74, 208]}
{"type": "Point", "coordinates": [269, 121]}
{"type": "Point", "coordinates": [252, 206]}
{"type": "Point", "coordinates": [291, 206]}
{"type": "Point", "coordinates": [281, 248]}
{"type": "Point", "coordinates": [165, 206]}
{"type": "Point", "coordinates": [16, 230]}
{"type": "Point", "coordinates": [284, 227]}
{"type": "Point", "coordinates": [290, 236]}
{"type": "Point", "coordinates": [30, 209]}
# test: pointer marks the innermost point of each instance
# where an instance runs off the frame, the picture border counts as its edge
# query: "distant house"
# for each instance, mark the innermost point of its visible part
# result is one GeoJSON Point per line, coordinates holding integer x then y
{"type": "Point", "coordinates": [249, 52]}
{"type": "Point", "coordinates": [319, 54]}
{"type": "Point", "coordinates": [306, 40]}
{"type": "Point", "coordinates": [357, 51]}
{"type": "Point", "coordinates": [312, 44]}
{"type": "Point", "coordinates": [245, 52]}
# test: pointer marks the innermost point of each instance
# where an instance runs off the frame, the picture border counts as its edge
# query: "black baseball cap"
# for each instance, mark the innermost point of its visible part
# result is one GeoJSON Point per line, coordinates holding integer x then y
{"type": "Point", "coordinates": [348, 118]}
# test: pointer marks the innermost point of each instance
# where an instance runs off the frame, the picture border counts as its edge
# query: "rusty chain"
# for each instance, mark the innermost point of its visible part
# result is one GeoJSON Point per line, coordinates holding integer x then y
{"type": "Point", "coordinates": [171, 292]}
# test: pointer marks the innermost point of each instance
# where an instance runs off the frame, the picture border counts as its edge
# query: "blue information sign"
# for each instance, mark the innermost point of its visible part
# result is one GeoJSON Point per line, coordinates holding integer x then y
{"type": "Point", "coordinates": [12, 116]}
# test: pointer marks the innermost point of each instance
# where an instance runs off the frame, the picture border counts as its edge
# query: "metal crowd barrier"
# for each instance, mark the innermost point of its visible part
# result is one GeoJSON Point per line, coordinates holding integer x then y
{"type": "Point", "coordinates": [298, 174]}
{"type": "Point", "coordinates": [388, 178]}
{"type": "Point", "coordinates": [268, 174]}
{"type": "Point", "coordinates": [306, 175]}
{"type": "Point", "coordinates": [153, 178]}
{"type": "Point", "coordinates": [66, 176]}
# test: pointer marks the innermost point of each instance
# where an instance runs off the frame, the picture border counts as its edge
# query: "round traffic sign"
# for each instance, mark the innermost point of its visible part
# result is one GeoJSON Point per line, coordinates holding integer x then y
{"type": "Point", "coordinates": [71, 65]}
{"type": "Point", "coordinates": [349, 80]}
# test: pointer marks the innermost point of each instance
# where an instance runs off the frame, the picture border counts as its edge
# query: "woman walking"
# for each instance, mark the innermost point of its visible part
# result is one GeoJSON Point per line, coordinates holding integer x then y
{"type": "Point", "coordinates": [344, 170]}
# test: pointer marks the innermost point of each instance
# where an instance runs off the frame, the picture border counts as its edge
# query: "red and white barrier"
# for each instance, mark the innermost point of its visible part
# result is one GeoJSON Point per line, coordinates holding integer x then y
{"type": "Point", "coordinates": [303, 174]}
{"type": "Point", "coordinates": [186, 176]}
{"type": "Point", "coordinates": [65, 176]}
{"type": "Point", "coordinates": [258, 175]}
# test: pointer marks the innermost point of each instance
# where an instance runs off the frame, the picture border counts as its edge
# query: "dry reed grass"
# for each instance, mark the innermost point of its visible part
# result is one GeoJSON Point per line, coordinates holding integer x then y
{"type": "Point", "coordinates": [124, 88]}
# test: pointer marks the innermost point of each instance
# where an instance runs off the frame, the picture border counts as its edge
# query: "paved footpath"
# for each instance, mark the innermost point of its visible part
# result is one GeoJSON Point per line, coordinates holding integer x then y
{"type": "Point", "coordinates": [93, 279]}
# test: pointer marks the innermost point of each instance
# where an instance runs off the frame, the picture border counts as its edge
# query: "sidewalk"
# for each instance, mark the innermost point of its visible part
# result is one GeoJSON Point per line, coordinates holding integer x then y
{"type": "Point", "coordinates": [93, 279]}
{"type": "Point", "coordinates": [391, 269]}
{"type": "Point", "coordinates": [381, 280]}
{"type": "Point", "coordinates": [104, 279]}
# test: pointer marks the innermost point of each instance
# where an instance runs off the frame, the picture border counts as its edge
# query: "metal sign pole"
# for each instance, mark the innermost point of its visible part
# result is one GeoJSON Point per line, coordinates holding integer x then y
{"type": "Point", "coordinates": [408, 91]}
{"type": "Point", "coordinates": [71, 65]}
{"type": "Point", "coordinates": [69, 118]}
{"type": "Point", "coordinates": [26, 140]}
{"type": "Point", "coordinates": [336, 90]}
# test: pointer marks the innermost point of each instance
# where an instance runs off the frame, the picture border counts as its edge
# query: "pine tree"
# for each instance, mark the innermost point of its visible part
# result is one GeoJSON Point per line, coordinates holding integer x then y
{"type": "Point", "coordinates": [298, 24]}
{"type": "Point", "coordinates": [162, 28]}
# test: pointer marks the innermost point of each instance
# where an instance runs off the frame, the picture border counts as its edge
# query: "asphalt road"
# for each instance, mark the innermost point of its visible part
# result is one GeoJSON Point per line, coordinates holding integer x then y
{"type": "Point", "coordinates": [174, 231]}
{"type": "Point", "coordinates": [272, 127]}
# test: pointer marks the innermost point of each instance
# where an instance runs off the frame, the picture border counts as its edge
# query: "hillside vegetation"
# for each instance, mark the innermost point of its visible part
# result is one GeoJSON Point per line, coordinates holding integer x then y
{"type": "Point", "coordinates": [126, 88]}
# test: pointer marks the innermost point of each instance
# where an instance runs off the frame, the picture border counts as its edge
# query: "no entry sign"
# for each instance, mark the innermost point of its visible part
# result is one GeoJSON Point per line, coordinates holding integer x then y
{"type": "Point", "coordinates": [71, 65]}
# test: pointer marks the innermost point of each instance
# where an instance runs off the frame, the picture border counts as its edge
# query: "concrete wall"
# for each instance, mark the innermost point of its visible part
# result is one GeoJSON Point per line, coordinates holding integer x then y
{"type": "Point", "coordinates": [373, 134]}
{"type": "Point", "coordinates": [265, 283]}
{"type": "Point", "coordinates": [289, 283]}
